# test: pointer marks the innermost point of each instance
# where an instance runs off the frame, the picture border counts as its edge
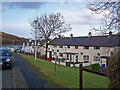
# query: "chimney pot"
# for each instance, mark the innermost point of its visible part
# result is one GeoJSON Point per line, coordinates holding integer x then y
{"type": "Point", "coordinates": [110, 33]}
{"type": "Point", "coordinates": [59, 36]}
{"type": "Point", "coordinates": [71, 35]}
{"type": "Point", "coordinates": [89, 34]}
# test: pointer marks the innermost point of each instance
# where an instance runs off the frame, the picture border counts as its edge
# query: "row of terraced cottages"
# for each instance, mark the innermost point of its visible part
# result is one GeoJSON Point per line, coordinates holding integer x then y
{"type": "Point", "coordinates": [87, 49]}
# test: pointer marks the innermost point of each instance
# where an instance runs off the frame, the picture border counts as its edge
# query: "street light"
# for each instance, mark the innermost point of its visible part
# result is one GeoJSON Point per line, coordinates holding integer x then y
{"type": "Point", "coordinates": [35, 22]}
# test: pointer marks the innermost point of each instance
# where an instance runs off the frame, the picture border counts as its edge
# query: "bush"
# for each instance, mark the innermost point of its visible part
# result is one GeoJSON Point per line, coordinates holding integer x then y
{"type": "Point", "coordinates": [68, 64]}
{"type": "Point", "coordinates": [95, 67]}
{"type": "Point", "coordinates": [53, 58]}
{"type": "Point", "coordinates": [43, 56]}
{"type": "Point", "coordinates": [113, 70]}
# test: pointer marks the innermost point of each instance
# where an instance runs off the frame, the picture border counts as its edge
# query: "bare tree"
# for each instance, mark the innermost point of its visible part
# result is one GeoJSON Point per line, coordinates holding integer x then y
{"type": "Point", "coordinates": [111, 13]}
{"type": "Point", "coordinates": [111, 22]}
{"type": "Point", "coordinates": [113, 70]}
{"type": "Point", "coordinates": [50, 26]}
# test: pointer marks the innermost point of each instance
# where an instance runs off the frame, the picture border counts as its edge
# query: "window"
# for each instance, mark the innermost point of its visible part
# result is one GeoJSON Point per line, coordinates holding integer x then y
{"type": "Point", "coordinates": [111, 53]}
{"type": "Point", "coordinates": [86, 47]}
{"type": "Point", "coordinates": [55, 53]}
{"type": "Point", "coordinates": [68, 46]}
{"type": "Point", "coordinates": [54, 46]}
{"type": "Point", "coordinates": [76, 47]}
{"type": "Point", "coordinates": [97, 47]}
{"type": "Point", "coordinates": [76, 58]}
{"type": "Point", "coordinates": [48, 49]}
{"type": "Point", "coordinates": [61, 54]}
{"type": "Point", "coordinates": [61, 46]}
{"type": "Point", "coordinates": [96, 58]}
{"type": "Point", "coordinates": [86, 57]}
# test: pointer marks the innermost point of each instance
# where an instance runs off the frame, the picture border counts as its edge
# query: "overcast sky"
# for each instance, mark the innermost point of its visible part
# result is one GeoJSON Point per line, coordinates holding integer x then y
{"type": "Point", "coordinates": [17, 15]}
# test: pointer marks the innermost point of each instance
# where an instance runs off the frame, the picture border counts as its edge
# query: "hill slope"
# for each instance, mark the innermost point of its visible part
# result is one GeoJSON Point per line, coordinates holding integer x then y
{"type": "Point", "coordinates": [8, 39]}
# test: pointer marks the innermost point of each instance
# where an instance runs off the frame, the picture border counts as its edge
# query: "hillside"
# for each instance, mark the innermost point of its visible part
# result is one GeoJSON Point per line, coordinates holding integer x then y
{"type": "Point", "coordinates": [8, 39]}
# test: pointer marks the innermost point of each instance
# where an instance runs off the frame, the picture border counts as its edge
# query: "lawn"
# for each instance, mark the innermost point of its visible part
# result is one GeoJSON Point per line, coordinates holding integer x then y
{"type": "Point", "coordinates": [68, 76]}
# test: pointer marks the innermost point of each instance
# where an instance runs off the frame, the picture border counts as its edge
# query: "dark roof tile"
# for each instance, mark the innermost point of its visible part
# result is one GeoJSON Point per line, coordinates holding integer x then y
{"type": "Point", "coordinates": [86, 41]}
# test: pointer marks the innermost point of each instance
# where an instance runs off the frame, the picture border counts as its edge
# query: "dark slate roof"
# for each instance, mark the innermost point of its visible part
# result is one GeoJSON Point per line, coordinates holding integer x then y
{"type": "Point", "coordinates": [88, 41]}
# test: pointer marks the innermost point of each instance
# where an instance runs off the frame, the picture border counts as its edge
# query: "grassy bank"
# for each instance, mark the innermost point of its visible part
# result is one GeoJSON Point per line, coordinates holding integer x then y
{"type": "Point", "coordinates": [68, 77]}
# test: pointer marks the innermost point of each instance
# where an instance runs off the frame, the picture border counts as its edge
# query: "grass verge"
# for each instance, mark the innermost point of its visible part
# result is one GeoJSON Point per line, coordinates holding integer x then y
{"type": "Point", "coordinates": [68, 76]}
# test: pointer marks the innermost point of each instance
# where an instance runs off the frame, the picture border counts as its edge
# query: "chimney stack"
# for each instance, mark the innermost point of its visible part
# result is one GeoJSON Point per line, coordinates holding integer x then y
{"type": "Point", "coordinates": [89, 34]}
{"type": "Point", "coordinates": [59, 36]}
{"type": "Point", "coordinates": [110, 33]}
{"type": "Point", "coordinates": [71, 35]}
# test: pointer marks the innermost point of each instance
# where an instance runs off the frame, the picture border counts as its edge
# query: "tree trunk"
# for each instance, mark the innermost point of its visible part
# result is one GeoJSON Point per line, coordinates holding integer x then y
{"type": "Point", "coordinates": [46, 51]}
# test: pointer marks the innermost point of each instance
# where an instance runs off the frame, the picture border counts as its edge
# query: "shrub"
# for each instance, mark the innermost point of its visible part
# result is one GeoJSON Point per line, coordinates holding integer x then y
{"type": "Point", "coordinates": [95, 67]}
{"type": "Point", "coordinates": [53, 58]}
{"type": "Point", "coordinates": [43, 56]}
{"type": "Point", "coordinates": [68, 64]}
{"type": "Point", "coordinates": [113, 70]}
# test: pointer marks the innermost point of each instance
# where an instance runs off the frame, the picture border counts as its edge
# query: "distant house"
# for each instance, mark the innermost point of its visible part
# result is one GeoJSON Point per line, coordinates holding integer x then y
{"type": "Point", "coordinates": [86, 49]}
{"type": "Point", "coordinates": [11, 49]}
{"type": "Point", "coordinates": [29, 47]}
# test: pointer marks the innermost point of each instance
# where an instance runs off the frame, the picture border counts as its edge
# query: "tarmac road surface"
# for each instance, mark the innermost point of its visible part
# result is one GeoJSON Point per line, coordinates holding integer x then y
{"type": "Point", "coordinates": [32, 76]}
{"type": "Point", "coordinates": [27, 76]}
{"type": "Point", "coordinates": [7, 79]}
{"type": "Point", "coordinates": [32, 80]}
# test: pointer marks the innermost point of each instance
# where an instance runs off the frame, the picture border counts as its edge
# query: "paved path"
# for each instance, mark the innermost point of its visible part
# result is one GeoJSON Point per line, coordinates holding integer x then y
{"type": "Point", "coordinates": [32, 76]}
{"type": "Point", "coordinates": [33, 81]}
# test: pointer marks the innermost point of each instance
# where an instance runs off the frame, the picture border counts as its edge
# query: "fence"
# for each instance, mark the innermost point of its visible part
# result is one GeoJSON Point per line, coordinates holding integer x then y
{"type": "Point", "coordinates": [87, 70]}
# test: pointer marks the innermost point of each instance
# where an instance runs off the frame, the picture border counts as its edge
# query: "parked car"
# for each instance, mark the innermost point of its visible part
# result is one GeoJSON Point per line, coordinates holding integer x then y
{"type": "Point", "coordinates": [5, 58]}
{"type": "Point", "coordinates": [18, 51]}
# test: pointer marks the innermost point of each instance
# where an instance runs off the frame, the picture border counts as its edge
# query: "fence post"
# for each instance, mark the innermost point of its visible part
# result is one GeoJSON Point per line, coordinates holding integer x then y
{"type": "Point", "coordinates": [80, 76]}
{"type": "Point", "coordinates": [55, 65]}
{"type": "Point", "coordinates": [59, 66]}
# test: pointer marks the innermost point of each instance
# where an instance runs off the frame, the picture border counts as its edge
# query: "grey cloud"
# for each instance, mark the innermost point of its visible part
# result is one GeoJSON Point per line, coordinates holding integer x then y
{"type": "Point", "coordinates": [24, 5]}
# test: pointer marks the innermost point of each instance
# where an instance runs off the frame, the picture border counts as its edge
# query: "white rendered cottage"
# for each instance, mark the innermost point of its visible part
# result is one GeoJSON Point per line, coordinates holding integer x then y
{"type": "Point", "coordinates": [86, 49]}
{"type": "Point", "coordinates": [29, 47]}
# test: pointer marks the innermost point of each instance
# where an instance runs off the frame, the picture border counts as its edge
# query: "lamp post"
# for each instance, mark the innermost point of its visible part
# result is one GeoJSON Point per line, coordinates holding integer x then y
{"type": "Point", "coordinates": [35, 22]}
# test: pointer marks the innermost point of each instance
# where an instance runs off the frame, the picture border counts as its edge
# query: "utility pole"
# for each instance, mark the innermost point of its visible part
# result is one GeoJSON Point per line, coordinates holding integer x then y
{"type": "Point", "coordinates": [35, 39]}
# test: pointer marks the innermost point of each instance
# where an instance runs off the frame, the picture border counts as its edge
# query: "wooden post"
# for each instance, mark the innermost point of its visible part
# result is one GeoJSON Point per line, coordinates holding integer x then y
{"type": "Point", "coordinates": [107, 61]}
{"type": "Point", "coordinates": [59, 66]}
{"type": "Point", "coordinates": [55, 65]}
{"type": "Point", "coordinates": [80, 76]}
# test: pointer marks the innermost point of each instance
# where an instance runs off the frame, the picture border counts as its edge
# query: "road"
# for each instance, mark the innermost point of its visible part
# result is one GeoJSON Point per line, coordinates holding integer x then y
{"type": "Point", "coordinates": [26, 76]}
{"type": "Point", "coordinates": [32, 76]}
{"type": "Point", "coordinates": [7, 79]}
{"type": "Point", "coordinates": [33, 81]}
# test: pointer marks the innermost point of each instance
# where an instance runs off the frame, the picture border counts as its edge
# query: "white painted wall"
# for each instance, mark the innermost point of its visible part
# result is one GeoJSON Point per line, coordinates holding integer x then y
{"type": "Point", "coordinates": [91, 52]}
